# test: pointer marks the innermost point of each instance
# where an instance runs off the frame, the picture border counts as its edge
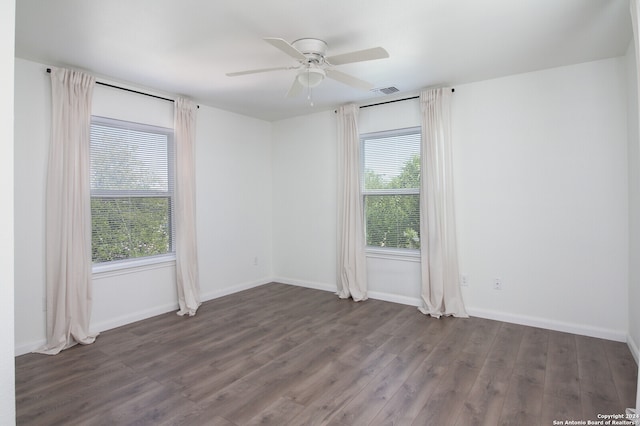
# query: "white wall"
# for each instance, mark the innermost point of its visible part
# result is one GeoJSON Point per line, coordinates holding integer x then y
{"type": "Point", "coordinates": [304, 200]}
{"type": "Point", "coordinates": [32, 124]}
{"type": "Point", "coordinates": [233, 177]}
{"type": "Point", "coordinates": [232, 154]}
{"type": "Point", "coordinates": [634, 207]}
{"type": "Point", "coordinates": [634, 198]}
{"type": "Point", "coordinates": [541, 181]}
{"type": "Point", "coordinates": [7, 375]}
{"type": "Point", "coordinates": [541, 192]}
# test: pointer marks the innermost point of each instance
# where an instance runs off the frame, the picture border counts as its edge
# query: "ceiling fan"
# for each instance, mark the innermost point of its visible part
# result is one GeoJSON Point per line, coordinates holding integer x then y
{"type": "Point", "coordinates": [313, 64]}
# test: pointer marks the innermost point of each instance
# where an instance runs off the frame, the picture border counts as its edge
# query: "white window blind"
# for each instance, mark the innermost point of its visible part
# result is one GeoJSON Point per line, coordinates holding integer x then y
{"type": "Point", "coordinates": [131, 190]}
{"type": "Point", "coordinates": [391, 188]}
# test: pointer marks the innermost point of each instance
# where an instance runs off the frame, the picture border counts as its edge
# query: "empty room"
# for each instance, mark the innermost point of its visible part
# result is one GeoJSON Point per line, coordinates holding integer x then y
{"type": "Point", "coordinates": [329, 212]}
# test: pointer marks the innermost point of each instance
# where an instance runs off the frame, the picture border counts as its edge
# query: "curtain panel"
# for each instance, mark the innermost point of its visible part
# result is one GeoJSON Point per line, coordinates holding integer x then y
{"type": "Point", "coordinates": [351, 262]}
{"type": "Point", "coordinates": [68, 214]}
{"type": "Point", "coordinates": [187, 278]}
{"type": "Point", "coordinates": [440, 292]}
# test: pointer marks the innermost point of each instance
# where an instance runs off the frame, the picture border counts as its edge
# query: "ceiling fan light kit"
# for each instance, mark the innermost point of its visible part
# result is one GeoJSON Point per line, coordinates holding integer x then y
{"type": "Point", "coordinates": [314, 66]}
{"type": "Point", "coordinates": [311, 77]}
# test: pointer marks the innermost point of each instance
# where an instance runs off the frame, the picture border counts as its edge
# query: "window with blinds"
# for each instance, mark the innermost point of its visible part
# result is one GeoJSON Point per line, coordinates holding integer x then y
{"type": "Point", "coordinates": [391, 188]}
{"type": "Point", "coordinates": [131, 190]}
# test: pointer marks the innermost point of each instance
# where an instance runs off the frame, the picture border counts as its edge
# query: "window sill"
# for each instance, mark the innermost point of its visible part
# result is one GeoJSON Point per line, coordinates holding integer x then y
{"type": "Point", "coordinates": [109, 269]}
{"type": "Point", "coordinates": [405, 255]}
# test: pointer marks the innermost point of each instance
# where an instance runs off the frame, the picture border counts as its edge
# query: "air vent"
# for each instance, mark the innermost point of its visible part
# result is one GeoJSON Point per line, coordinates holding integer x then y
{"type": "Point", "coordinates": [386, 90]}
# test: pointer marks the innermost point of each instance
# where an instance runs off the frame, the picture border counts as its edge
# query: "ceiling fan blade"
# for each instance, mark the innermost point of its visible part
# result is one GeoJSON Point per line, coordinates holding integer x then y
{"type": "Point", "coordinates": [349, 80]}
{"type": "Point", "coordinates": [295, 89]}
{"type": "Point", "coordinates": [286, 47]}
{"type": "Point", "coordinates": [235, 74]}
{"type": "Point", "coordinates": [358, 56]}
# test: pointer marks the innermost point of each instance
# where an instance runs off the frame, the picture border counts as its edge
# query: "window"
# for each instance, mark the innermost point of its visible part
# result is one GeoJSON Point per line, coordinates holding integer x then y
{"type": "Point", "coordinates": [391, 188]}
{"type": "Point", "coordinates": [131, 190]}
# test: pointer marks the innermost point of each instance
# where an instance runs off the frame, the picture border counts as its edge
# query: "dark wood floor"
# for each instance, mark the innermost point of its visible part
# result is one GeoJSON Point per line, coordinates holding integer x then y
{"type": "Point", "coordinates": [284, 355]}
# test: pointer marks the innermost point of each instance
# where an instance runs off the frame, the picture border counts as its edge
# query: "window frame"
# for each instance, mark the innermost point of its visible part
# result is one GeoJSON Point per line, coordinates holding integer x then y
{"type": "Point", "coordinates": [390, 253]}
{"type": "Point", "coordinates": [151, 261]}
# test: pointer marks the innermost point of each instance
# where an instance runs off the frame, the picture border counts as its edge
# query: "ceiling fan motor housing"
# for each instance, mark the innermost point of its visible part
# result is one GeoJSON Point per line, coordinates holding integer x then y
{"type": "Point", "coordinates": [313, 48]}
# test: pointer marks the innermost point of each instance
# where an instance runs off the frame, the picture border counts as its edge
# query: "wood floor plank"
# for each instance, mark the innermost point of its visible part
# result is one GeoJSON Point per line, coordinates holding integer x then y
{"type": "Point", "coordinates": [200, 418]}
{"type": "Point", "coordinates": [65, 396]}
{"type": "Point", "coordinates": [366, 405]}
{"type": "Point", "coordinates": [445, 403]}
{"type": "Point", "coordinates": [523, 403]}
{"type": "Point", "coordinates": [277, 414]}
{"type": "Point", "coordinates": [598, 390]}
{"type": "Point", "coordinates": [36, 376]}
{"type": "Point", "coordinates": [463, 367]}
{"type": "Point", "coordinates": [621, 362]}
{"type": "Point", "coordinates": [483, 405]}
{"type": "Point", "coordinates": [532, 356]}
{"type": "Point", "coordinates": [556, 408]}
{"type": "Point", "coordinates": [562, 379]}
{"type": "Point", "coordinates": [280, 354]}
{"type": "Point", "coordinates": [480, 341]}
{"type": "Point", "coordinates": [408, 401]}
{"type": "Point", "coordinates": [345, 367]}
{"type": "Point", "coordinates": [343, 386]}
{"type": "Point", "coordinates": [242, 400]}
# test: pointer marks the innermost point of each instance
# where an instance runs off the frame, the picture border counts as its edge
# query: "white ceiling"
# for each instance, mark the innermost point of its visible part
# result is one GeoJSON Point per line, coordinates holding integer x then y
{"type": "Point", "coordinates": [186, 47]}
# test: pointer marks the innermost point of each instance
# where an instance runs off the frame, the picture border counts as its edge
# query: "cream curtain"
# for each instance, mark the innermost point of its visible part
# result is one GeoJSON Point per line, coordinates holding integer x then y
{"type": "Point", "coordinates": [440, 292]}
{"type": "Point", "coordinates": [186, 248]}
{"type": "Point", "coordinates": [68, 215]}
{"type": "Point", "coordinates": [351, 262]}
{"type": "Point", "coordinates": [635, 18]}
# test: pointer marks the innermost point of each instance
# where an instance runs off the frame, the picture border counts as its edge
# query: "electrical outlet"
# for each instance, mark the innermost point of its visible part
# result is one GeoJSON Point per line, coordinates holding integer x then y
{"type": "Point", "coordinates": [255, 261]}
{"type": "Point", "coordinates": [464, 280]}
{"type": "Point", "coordinates": [497, 284]}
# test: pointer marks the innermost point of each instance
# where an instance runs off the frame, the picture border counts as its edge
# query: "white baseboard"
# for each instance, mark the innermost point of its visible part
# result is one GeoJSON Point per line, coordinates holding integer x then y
{"type": "Point", "coordinates": [405, 300]}
{"type": "Point", "coordinates": [584, 330]}
{"type": "Point", "coordinates": [159, 310]}
{"type": "Point", "coordinates": [112, 323]}
{"type": "Point", "coordinates": [141, 315]}
{"type": "Point", "coordinates": [307, 284]}
{"type": "Point", "coordinates": [233, 289]}
{"type": "Point", "coordinates": [25, 348]}
{"type": "Point", "coordinates": [377, 295]}
{"type": "Point", "coordinates": [105, 325]}
{"type": "Point", "coordinates": [395, 298]}
{"type": "Point", "coordinates": [133, 317]}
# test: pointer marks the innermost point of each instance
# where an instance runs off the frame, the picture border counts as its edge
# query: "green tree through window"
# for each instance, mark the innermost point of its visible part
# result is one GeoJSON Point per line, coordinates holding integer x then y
{"type": "Point", "coordinates": [131, 191]}
{"type": "Point", "coordinates": [391, 185]}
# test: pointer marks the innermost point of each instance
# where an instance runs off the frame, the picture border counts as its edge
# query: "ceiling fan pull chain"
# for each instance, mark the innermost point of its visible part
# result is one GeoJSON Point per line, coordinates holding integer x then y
{"type": "Point", "coordinates": [309, 91]}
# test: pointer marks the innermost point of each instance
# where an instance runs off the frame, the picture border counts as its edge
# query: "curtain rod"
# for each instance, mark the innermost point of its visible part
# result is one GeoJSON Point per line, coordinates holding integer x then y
{"type": "Point", "coordinates": [130, 90]}
{"type": "Point", "coordinates": [390, 102]}
{"type": "Point", "coordinates": [395, 100]}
